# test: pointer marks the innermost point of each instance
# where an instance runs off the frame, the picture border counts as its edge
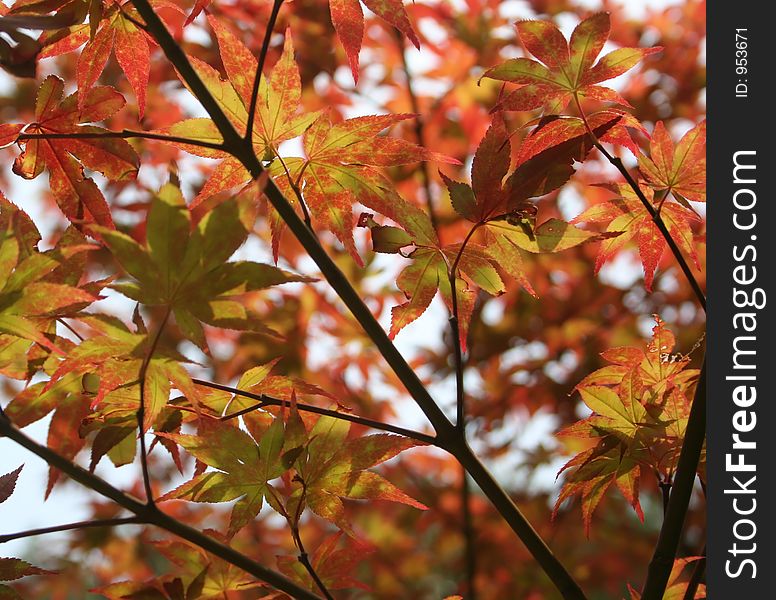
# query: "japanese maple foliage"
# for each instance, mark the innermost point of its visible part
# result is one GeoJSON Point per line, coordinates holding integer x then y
{"type": "Point", "coordinates": [310, 273]}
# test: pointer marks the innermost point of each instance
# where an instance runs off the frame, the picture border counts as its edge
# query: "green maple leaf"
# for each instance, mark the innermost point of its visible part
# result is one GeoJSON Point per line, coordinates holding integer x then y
{"type": "Point", "coordinates": [38, 287]}
{"type": "Point", "coordinates": [243, 467]}
{"type": "Point", "coordinates": [333, 468]}
{"type": "Point", "coordinates": [184, 267]}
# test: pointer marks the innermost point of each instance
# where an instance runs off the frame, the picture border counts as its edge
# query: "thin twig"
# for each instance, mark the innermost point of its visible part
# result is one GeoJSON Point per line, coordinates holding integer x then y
{"type": "Point", "coordinates": [668, 542]}
{"type": "Point", "coordinates": [123, 134]}
{"type": "Point", "coordinates": [456, 329]}
{"type": "Point", "coordinates": [264, 400]}
{"type": "Point", "coordinates": [259, 68]}
{"type": "Point", "coordinates": [297, 192]}
{"type": "Point", "coordinates": [470, 592]}
{"type": "Point", "coordinates": [69, 327]}
{"type": "Point", "coordinates": [617, 162]}
{"type": "Point", "coordinates": [152, 516]}
{"type": "Point", "coordinates": [419, 131]}
{"type": "Point", "coordinates": [303, 557]}
{"type": "Point", "coordinates": [71, 526]}
{"type": "Point", "coordinates": [141, 409]}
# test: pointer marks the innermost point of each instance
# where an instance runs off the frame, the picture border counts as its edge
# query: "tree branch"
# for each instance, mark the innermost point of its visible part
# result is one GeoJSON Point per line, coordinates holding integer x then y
{"type": "Point", "coordinates": [123, 134]}
{"type": "Point", "coordinates": [470, 591]}
{"type": "Point", "coordinates": [259, 68]}
{"type": "Point", "coordinates": [153, 516]}
{"type": "Point", "coordinates": [455, 326]}
{"type": "Point", "coordinates": [264, 400]}
{"type": "Point", "coordinates": [71, 526]}
{"type": "Point", "coordinates": [671, 531]}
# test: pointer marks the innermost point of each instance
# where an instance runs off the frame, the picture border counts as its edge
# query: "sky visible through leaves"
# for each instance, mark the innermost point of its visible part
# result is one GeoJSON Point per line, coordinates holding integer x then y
{"type": "Point", "coordinates": [26, 508]}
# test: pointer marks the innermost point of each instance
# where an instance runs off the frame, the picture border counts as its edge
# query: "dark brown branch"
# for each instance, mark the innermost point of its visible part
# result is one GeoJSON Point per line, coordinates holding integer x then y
{"type": "Point", "coordinates": [123, 134]}
{"type": "Point", "coordinates": [670, 533]}
{"type": "Point", "coordinates": [152, 516]}
{"type": "Point", "coordinates": [456, 330]}
{"type": "Point", "coordinates": [264, 400]}
{"type": "Point", "coordinates": [303, 557]}
{"type": "Point", "coordinates": [470, 591]}
{"type": "Point", "coordinates": [70, 526]}
{"type": "Point", "coordinates": [259, 68]}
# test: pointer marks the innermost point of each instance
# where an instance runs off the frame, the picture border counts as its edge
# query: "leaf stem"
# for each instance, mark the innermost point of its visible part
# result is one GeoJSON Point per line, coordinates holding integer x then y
{"type": "Point", "coordinates": [297, 192]}
{"type": "Point", "coordinates": [303, 557]}
{"type": "Point", "coordinates": [70, 526]}
{"type": "Point", "coordinates": [141, 409]}
{"type": "Point", "coordinates": [264, 400]}
{"type": "Point", "coordinates": [259, 68]}
{"type": "Point", "coordinates": [69, 327]}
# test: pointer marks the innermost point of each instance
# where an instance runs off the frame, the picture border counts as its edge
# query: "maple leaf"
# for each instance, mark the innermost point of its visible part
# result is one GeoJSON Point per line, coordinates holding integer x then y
{"type": "Point", "coordinates": [201, 576]}
{"type": "Point", "coordinates": [277, 116]}
{"type": "Point", "coordinates": [339, 168]}
{"type": "Point", "coordinates": [429, 272]}
{"type": "Point", "coordinates": [113, 360]}
{"type": "Point", "coordinates": [347, 17]}
{"type": "Point", "coordinates": [67, 400]}
{"type": "Point", "coordinates": [627, 215]}
{"type": "Point", "coordinates": [15, 568]}
{"type": "Point", "coordinates": [78, 196]}
{"type": "Point", "coordinates": [505, 222]}
{"type": "Point", "coordinates": [112, 29]}
{"type": "Point", "coordinates": [333, 467]}
{"type": "Point", "coordinates": [566, 69]}
{"type": "Point", "coordinates": [184, 267]}
{"type": "Point", "coordinates": [116, 32]}
{"type": "Point", "coordinates": [244, 467]}
{"type": "Point", "coordinates": [680, 170]}
{"type": "Point", "coordinates": [640, 412]}
{"type": "Point", "coordinates": [675, 589]}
